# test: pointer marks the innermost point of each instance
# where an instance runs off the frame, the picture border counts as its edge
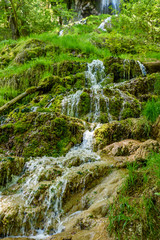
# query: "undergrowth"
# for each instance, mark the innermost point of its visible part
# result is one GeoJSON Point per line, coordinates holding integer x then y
{"type": "Point", "coordinates": [135, 213]}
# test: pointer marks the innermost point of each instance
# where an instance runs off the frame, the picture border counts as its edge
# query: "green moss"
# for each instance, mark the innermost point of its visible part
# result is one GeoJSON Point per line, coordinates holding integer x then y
{"type": "Point", "coordinates": [39, 134]}
{"type": "Point", "coordinates": [139, 129]}
{"type": "Point", "coordinates": [67, 68]}
{"type": "Point", "coordinates": [115, 106]}
{"type": "Point", "coordinates": [84, 105]}
{"type": "Point", "coordinates": [21, 127]}
{"type": "Point", "coordinates": [10, 166]}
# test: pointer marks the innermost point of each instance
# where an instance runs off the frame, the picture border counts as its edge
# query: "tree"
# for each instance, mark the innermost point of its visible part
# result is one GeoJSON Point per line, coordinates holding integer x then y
{"type": "Point", "coordinates": [22, 17]}
{"type": "Point", "coordinates": [142, 17]}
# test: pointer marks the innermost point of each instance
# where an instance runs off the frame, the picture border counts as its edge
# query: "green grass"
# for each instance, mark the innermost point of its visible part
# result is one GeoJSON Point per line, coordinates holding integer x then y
{"type": "Point", "coordinates": [6, 94]}
{"type": "Point", "coordinates": [134, 214]}
{"type": "Point", "coordinates": [152, 110]}
{"type": "Point", "coordinates": [18, 69]}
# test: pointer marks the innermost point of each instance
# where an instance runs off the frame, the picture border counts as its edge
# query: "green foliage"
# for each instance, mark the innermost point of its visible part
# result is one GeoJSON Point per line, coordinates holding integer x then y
{"type": "Point", "coordinates": [157, 86]}
{"type": "Point", "coordinates": [154, 165]}
{"type": "Point", "coordinates": [19, 18]}
{"type": "Point", "coordinates": [152, 110]}
{"type": "Point", "coordinates": [140, 17]}
{"type": "Point", "coordinates": [134, 213]}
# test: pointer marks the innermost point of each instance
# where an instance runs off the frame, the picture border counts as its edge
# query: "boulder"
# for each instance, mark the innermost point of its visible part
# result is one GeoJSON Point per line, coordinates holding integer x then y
{"type": "Point", "coordinates": [152, 67]}
{"type": "Point", "coordinates": [128, 151]}
{"type": "Point", "coordinates": [138, 129]}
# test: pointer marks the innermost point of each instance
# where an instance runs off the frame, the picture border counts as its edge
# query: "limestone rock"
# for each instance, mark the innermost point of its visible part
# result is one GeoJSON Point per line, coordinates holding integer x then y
{"type": "Point", "coordinates": [115, 131]}
{"type": "Point", "coordinates": [129, 150]}
{"type": "Point", "coordinates": [138, 86]}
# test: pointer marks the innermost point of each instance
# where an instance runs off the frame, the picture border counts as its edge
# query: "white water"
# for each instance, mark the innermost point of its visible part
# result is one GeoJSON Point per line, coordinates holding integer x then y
{"type": "Point", "coordinates": [61, 33]}
{"type": "Point", "coordinates": [106, 4]}
{"type": "Point", "coordinates": [103, 24]}
{"type": "Point", "coordinates": [37, 171]}
{"type": "Point", "coordinates": [52, 204]}
{"type": "Point", "coordinates": [94, 77]}
{"type": "Point", "coordinates": [143, 69]}
{"type": "Point", "coordinates": [70, 104]}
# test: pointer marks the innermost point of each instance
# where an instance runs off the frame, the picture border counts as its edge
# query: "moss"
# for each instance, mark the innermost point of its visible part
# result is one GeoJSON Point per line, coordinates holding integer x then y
{"type": "Point", "coordinates": [103, 118]}
{"type": "Point", "coordinates": [115, 106]}
{"type": "Point", "coordinates": [121, 69]}
{"type": "Point", "coordinates": [84, 106]}
{"type": "Point", "coordinates": [67, 68]}
{"type": "Point", "coordinates": [39, 134]}
{"type": "Point", "coordinates": [5, 131]}
{"type": "Point", "coordinates": [139, 129]}
{"type": "Point", "coordinates": [10, 166]}
{"type": "Point", "coordinates": [21, 127]}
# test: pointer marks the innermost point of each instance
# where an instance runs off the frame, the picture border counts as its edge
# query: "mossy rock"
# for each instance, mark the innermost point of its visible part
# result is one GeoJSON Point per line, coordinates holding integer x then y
{"type": "Point", "coordinates": [122, 69]}
{"type": "Point", "coordinates": [10, 166]}
{"type": "Point", "coordinates": [139, 86]}
{"type": "Point", "coordinates": [138, 129]}
{"type": "Point", "coordinates": [84, 105]}
{"type": "Point", "coordinates": [67, 68]}
{"type": "Point", "coordinates": [41, 133]}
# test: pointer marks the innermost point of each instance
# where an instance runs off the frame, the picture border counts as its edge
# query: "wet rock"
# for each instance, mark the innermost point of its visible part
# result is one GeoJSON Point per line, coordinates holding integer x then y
{"type": "Point", "coordinates": [122, 69]}
{"type": "Point", "coordinates": [139, 86]}
{"type": "Point", "coordinates": [138, 129]}
{"type": "Point", "coordinates": [38, 134]}
{"type": "Point", "coordinates": [9, 167]}
{"type": "Point", "coordinates": [91, 223]}
{"type": "Point", "coordinates": [85, 8]}
{"type": "Point", "coordinates": [129, 150]}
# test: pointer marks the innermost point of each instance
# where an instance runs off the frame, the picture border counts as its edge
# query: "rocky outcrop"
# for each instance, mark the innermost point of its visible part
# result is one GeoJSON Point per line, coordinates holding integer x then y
{"type": "Point", "coordinates": [122, 69]}
{"type": "Point", "coordinates": [138, 86]}
{"type": "Point", "coordinates": [84, 7]}
{"type": "Point", "coordinates": [10, 167]}
{"type": "Point", "coordinates": [39, 134]}
{"type": "Point", "coordinates": [129, 151]}
{"type": "Point", "coordinates": [152, 67]}
{"type": "Point", "coordinates": [138, 129]}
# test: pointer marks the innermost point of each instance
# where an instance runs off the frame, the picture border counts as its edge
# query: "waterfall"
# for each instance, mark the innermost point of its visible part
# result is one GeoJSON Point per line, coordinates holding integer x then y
{"type": "Point", "coordinates": [142, 67]}
{"type": "Point", "coordinates": [54, 179]}
{"type": "Point", "coordinates": [95, 75]}
{"type": "Point", "coordinates": [107, 6]}
{"type": "Point", "coordinates": [65, 168]}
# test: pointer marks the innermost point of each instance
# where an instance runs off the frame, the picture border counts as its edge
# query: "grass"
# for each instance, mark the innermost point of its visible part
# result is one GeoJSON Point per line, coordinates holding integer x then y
{"type": "Point", "coordinates": [152, 110]}
{"type": "Point", "coordinates": [134, 214]}
{"type": "Point", "coordinates": [6, 94]}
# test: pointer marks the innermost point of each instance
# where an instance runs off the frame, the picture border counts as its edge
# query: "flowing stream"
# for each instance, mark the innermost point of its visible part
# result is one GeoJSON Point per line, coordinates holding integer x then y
{"type": "Point", "coordinates": [47, 182]}
{"type": "Point", "coordinates": [94, 78]}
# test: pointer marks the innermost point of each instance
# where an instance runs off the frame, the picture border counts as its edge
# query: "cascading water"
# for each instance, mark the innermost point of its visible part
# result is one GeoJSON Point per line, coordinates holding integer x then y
{"type": "Point", "coordinates": [109, 6]}
{"type": "Point", "coordinates": [47, 182]}
{"type": "Point", "coordinates": [94, 78]}
{"type": "Point", "coordinates": [142, 67]}
{"type": "Point", "coordinates": [38, 174]}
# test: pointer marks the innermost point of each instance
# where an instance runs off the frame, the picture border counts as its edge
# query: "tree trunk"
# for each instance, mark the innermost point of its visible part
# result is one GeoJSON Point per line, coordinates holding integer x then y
{"type": "Point", "coordinates": [18, 98]}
